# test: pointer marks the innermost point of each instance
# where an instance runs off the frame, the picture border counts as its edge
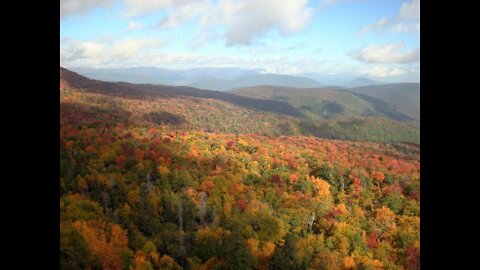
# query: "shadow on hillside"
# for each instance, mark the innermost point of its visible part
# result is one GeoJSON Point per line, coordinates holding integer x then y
{"type": "Point", "coordinates": [78, 114]}
{"type": "Point", "coordinates": [164, 118]}
{"type": "Point", "coordinates": [383, 107]}
{"type": "Point", "coordinates": [148, 91]}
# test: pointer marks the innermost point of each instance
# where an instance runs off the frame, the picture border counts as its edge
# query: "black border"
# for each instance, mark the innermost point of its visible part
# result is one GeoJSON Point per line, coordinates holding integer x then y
{"type": "Point", "coordinates": [31, 109]}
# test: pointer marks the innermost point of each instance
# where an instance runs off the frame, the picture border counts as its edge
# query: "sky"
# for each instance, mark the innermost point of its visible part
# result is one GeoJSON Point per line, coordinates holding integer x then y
{"type": "Point", "coordinates": [377, 39]}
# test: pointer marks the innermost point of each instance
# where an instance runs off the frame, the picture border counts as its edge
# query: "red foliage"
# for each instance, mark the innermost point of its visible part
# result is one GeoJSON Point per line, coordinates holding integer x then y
{"type": "Point", "coordinates": [277, 179]}
{"type": "Point", "coordinates": [153, 131]}
{"type": "Point", "coordinates": [120, 160]}
{"type": "Point", "coordinates": [414, 196]}
{"type": "Point", "coordinates": [412, 258]}
{"type": "Point", "coordinates": [90, 149]}
{"type": "Point", "coordinates": [241, 204]}
{"type": "Point", "coordinates": [372, 240]}
{"type": "Point", "coordinates": [207, 186]}
{"type": "Point", "coordinates": [155, 143]}
{"type": "Point", "coordinates": [127, 150]}
{"type": "Point", "coordinates": [379, 176]}
{"type": "Point", "coordinates": [167, 139]}
{"type": "Point", "coordinates": [231, 145]}
{"type": "Point", "coordinates": [153, 154]}
{"type": "Point", "coordinates": [393, 189]}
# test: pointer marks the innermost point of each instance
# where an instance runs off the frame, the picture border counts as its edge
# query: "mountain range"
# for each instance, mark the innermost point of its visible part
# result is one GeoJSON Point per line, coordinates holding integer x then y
{"type": "Point", "coordinates": [326, 112]}
{"type": "Point", "coordinates": [222, 78]}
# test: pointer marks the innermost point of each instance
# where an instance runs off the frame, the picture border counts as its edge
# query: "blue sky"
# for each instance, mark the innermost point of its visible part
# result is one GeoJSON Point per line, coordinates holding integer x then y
{"type": "Point", "coordinates": [378, 39]}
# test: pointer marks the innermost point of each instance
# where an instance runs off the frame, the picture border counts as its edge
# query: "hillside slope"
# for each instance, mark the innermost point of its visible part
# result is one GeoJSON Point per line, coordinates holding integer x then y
{"type": "Point", "coordinates": [405, 97]}
{"type": "Point", "coordinates": [326, 102]}
{"type": "Point", "coordinates": [189, 108]}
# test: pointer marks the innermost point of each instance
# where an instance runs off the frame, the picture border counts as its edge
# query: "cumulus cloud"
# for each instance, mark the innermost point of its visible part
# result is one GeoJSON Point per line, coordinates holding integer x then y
{"type": "Point", "coordinates": [382, 72]}
{"type": "Point", "coordinates": [107, 52]}
{"type": "Point", "coordinates": [73, 50]}
{"type": "Point", "coordinates": [78, 7]}
{"type": "Point", "coordinates": [246, 20]}
{"type": "Point", "coordinates": [149, 52]}
{"type": "Point", "coordinates": [388, 53]}
{"type": "Point", "coordinates": [406, 20]}
{"type": "Point", "coordinates": [241, 21]}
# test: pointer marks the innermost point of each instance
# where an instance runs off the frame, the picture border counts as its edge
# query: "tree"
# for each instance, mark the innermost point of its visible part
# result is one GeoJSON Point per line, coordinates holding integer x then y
{"type": "Point", "coordinates": [74, 251]}
{"type": "Point", "coordinates": [236, 252]}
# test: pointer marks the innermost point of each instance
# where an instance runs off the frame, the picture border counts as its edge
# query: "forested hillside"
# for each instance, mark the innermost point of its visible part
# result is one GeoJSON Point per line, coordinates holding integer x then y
{"type": "Point", "coordinates": [153, 177]}
{"type": "Point", "coordinates": [265, 112]}
{"type": "Point", "coordinates": [404, 96]}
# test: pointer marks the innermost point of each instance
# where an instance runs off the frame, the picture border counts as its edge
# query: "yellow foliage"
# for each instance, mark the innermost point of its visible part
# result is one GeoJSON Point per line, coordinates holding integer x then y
{"type": "Point", "coordinates": [227, 205]}
{"type": "Point", "coordinates": [260, 250]}
{"type": "Point", "coordinates": [163, 170]}
{"type": "Point", "coordinates": [268, 249]}
{"type": "Point", "coordinates": [253, 246]}
{"type": "Point", "coordinates": [342, 209]}
{"type": "Point", "coordinates": [321, 187]}
{"type": "Point", "coordinates": [385, 218]}
{"type": "Point", "coordinates": [240, 141]}
{"type": "Point", "coordinates": [168, 263]}
{"type": "Point", "coordinates": [141, 262]}
{"type": "Point", "coordinates": [370, 262]}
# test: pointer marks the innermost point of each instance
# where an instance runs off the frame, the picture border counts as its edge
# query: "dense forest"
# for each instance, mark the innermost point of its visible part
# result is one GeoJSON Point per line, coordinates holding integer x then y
{"type": "Point", "coordinates": [157, 181]}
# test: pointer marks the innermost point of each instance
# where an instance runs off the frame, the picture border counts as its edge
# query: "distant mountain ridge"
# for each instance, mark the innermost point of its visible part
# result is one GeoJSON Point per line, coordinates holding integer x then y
{"type": "Point", "coordinates": [221, 79]}
{"type": "Point", "coordinates": [152, 75]}
{"type": "Point", "coordinates": [360, 82]}
{"type": "Point", "coordinates": [254, 80]}
{"type": "Point", "coordinates": [325, 112]}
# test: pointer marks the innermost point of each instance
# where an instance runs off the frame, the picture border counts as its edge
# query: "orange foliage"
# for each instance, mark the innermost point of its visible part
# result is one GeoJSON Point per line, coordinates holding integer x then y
{"type": "Point", "coordinates": [108, 247]}
{"type": "Point", "coordinates": [293, 178]}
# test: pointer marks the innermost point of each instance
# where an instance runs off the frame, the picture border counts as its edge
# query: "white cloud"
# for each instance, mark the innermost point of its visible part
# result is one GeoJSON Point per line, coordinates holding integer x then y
{"type": "Point", "coordinates": [388, 53]}
{"type": "Point", "coordinates": [185, 13]}
{"type": "Point", "coordinates": [374, 26]}
{"type": "Point", "coordinates": [78, 7]}
{"type": "Point", "coordinates": [133, 25]}
{"type": "Point", "coordinates": [144, 7]}
{"type": "Point", "coordinates": [410, 10]}
{"type": "Point", "coordinates": [406, 20]}
{"type": "Point", "coordinates": [382, 72]}
{"type": "Point", "coordinates": [406, 27]}
{"type": "Point", "coordinates": [248, 19]}
{"type": "Point", "coordinates": [107, 52]}
{"type": "Point", "coordinates": [240, 21]}
{"type": "Point", "coordinates": [75, 50]}
{"type": "Point", "coordinates": [131, 47]}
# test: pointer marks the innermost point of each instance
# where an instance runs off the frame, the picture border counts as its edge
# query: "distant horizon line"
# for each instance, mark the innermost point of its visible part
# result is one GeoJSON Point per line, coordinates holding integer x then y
{"type": "Point", "coordinates": [300, 74]}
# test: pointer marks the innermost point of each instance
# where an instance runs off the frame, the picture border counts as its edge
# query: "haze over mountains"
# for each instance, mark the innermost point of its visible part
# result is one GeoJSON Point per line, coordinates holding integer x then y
{"type": "Point", "coordinates": [223, 78]}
